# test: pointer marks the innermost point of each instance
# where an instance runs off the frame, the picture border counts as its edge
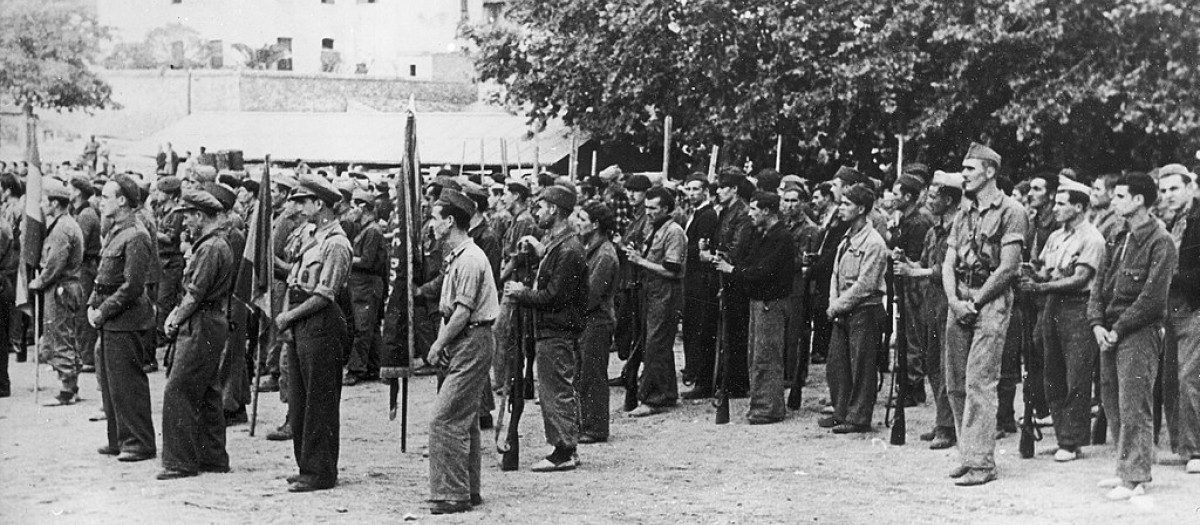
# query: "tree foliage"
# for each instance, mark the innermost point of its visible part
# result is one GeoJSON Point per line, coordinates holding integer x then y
{"type": "Point", "coordinates": [45, 52]}
{"type": "Point", "coordinates": [264, 57]}
{"type": "Point", "coordinates": [170, 46]}
{"type": "Point", "coordinates": [1096, 84]}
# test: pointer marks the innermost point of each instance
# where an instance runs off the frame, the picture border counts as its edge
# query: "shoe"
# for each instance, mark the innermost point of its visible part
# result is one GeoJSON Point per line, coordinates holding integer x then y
{"type": "Point", "coordinates": [62, 399]}
{"type": "Point", "coordinates": [130, 457]}
{"type": "Point", "coordinates": [588, 439]}
{"type": "Point", "coordinates": [976, 477]}
{"type": "Point", "coordinates": [828, 422]}
{"type": "Point", "coordinates": [304, 486]}
{"type": "Point", "coordinates": [98, 417]}
{"type": "Point", "coordinates": [929, 436]}
{"type": "Point", "coordinates": [1063, 455]}
{"type": "Point", "coordinates": [87, 369]}
{"type": "Point", "coordinates": [942, 442]}
{"type": "Point", "coordinates": [763, 420]}
{"type": "Point", "coordinates": [1193, 466]}
{"type": "Point", "coordinates": [545, 465]}
{"type": "Point", "coordinates": [959, 471]}
{"type": "Point", "coordinates": [697, 393]}
{"type": "Point", "coordinates": [851, 428]}
{"type": "Point", "coordinates": [350, 379]}
{"type": "Point", "coordinates": [168, 474]}
{"type": "Point", "coordinates": [476, 500]}
{"type": "Point", "coordinates": [1109, 483]}
{"type": "Point", "coordinates": [827, 410]}
{"type": "Point", "coordinates": [644, 410]}
{"type": "Point", "coordinates": [1123, 493]}
{"type": "Point", "coordinates": [486, 422]}
{"type": "Point", "coordinates": [270, 384]}
{"type": "Point", "coordinates": [109, 451]}
{"type": "Point", "coordinates": [283, 433]}
{"type": "Point", "coordinates": [449, 507]}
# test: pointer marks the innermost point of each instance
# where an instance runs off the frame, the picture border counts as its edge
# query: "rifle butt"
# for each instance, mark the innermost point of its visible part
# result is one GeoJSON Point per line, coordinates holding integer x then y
{"type": "Point", "coordinates": [1100, 428]}
{"type": "Point", "coordinates": [722, 411]}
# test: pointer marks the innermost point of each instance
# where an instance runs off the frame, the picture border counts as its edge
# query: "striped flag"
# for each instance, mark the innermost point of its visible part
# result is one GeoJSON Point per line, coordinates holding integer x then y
{"type": "Point", "coordinates": [256, 267]}
{"type": "Point", "coordinates": [33, 225]}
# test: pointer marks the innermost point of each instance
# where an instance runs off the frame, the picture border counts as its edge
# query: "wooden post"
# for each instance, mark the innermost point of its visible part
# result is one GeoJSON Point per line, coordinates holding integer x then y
{"type": "Point", "coordinates": [594, 167]}
{"type": "Point", "coordinates": [537, 161]}
{"type": "Point", "coordinates": [666, 160]}
{"type": "Point", "coordinates": [482, 160]}
{"type": "Point", "coordinates": [712, 162]}
{"type": "Point", "coordinates": [463, 164]}
{"type": "Point", "coordinates": [573, 169]}
{"type": "Point", "coordinates": [778, 151]}
{"type": "Point", "coordinates": [504, 159]}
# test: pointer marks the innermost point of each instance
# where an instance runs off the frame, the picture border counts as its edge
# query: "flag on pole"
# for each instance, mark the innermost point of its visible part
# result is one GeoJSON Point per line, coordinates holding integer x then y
{"type": "Point", "coordinates": [399, 340]}
{"type": "Point", "coordinates": [256, 267]}
{"type": "Point", "coordinates": [33, 224]}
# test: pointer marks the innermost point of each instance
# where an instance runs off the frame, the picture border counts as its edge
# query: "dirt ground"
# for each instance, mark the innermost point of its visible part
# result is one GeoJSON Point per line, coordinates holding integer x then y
{"type": "Point", "coordinates": [673, 468]}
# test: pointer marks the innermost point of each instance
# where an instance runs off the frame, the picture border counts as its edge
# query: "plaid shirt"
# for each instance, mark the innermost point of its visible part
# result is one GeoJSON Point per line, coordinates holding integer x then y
{"type": "Point", "coordinates": [618, 202]}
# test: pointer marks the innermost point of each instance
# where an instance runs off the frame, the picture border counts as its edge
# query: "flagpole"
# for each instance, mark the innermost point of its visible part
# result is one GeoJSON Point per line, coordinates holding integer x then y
{"type": "Point", "coordinates": [265, 183]}
{"type": "Point", "coordinates": [37, 338]}
{"type": "Point", "coordinates": [778, 151]}
{"type": "Point", "coordinates": [666, 160]}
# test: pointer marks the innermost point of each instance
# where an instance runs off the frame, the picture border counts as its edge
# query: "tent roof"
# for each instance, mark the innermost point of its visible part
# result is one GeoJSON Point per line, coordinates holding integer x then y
{"type": "Point", "coordinates": [363, 138]}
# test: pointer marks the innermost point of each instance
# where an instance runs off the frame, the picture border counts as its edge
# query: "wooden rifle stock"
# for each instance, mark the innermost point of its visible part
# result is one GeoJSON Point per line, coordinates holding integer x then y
{"type": "Point", "coordinates": [900, 375]}
{"type": "Point", "coordinates": [721, 371]}
{"type": "Point", "coordinates": [1029, 431]}
{"type": "Point", "coordinates": [1100, 427]}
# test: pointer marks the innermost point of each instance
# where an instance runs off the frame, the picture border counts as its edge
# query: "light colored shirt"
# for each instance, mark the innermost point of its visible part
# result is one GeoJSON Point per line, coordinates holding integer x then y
{"type": "Point", "coordinates": [858, 270]}
{"type": "Point", "coordinates": [469, 282]}
{"type": "Point", "coordinates": [324, 262]}
{"type": "Point", "coordinates": [1067, 248]}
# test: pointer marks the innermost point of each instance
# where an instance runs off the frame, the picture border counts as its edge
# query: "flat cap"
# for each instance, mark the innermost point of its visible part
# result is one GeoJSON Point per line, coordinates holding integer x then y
{"type": "Point", "coordinates": [947, 180]}
{"type": "Point", "coordinates": [981, 152]}
{"type": "Point", "coordinates": [610, 173]}
{"type": "Point", "coordinates": [559, 196]}
{"type": "Point", "coordinates": [168, 184]}
{"type": "Point", "coordinates": [224, 194]}
{"type": "Point", "coordinates": [850, 176]}
{"type": "Point", "coordinates": [455, 199]}
{"type": "Point", "coordinates": [316, 186]}
{"type": "Point", "coordinates": [201, 201]}
{"type": "Point", "coordinates": [638, 182]}
{"type": "Point", "coordinates": [55, 189]}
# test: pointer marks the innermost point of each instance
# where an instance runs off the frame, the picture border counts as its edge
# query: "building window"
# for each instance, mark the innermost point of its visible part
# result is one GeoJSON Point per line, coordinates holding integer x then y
{"type": "Point", "coordinates": [412, 70]}
{"type": "Point", "coordinates": [326, 1]}
{"type": "Point", "coordinates": [493, 11]}
{"type": "Point", "coordinates": [176, 1]}
{"type": "Point", "coordinates": [284, 64]}
{"type": "Point", "coordinates": [216, 53]}
{"type": "Point", "coordinates": [366, 1]}
{"type": "Point", "coordinates": [326, 43]}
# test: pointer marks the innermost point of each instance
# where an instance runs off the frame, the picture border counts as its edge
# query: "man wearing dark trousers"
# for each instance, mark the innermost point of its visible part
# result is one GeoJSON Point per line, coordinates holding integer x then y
{"type": "Point", "coordinates": [89, 223]}
{"type": "Point", "coordinates": [122, 312]}
{"type": "Point", "coordinates": [700, 306]}
{"type": "Point", "coordinates": [367, 272]}
{"type": "Point", "coordinates": [907, 240]}
{"type": "Point", "coordinates": [733, 236]}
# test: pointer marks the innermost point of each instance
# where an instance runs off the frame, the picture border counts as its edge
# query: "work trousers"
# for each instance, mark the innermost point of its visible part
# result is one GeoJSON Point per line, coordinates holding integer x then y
{"type": "Point", "coordinates": [193, 423]}
{"type": "Point", "coordinates": [1070, 361]}
{"type": "Point", "coordinates": [85, 333]}
{"type": "Point", "coordinates": [1183, 411]}
{"type": "Point", "coordinates": [271, 362]}
{"type": "Point", "coordinates": [935, 353]}
{"type": "Point", "coordinates": [1127, 375]}
{"type": "Point", "coordinates": [657, 386]}
{"type": "Point", "coordinates": [916, 339]}
{"type": "Point", "coordinates": [736, 338]}
{"type": "Point", "coordinates": [170, 292]}
{"type": "Point", "coordinates": [556, 365]}
{"type": "Point", "coordinates": [7, 300]}
{"type": "Point", "coordinates": [315, 366]}
{"type": "Point", "coordinates": [1022, 346]}
{"type": "Point", "coordinates": [591, 380]}
{"type": "Point", "coordinates": [235, 379]}
{"type": "Point", "coordinates": [61, 303]}
{"type": "Point", "coordinates": [701, 311]}
{"type": "Point", "coordinates": [454, 441]}
{"type": "Point", "coordinates": [853, 363]}
{"type": "Point", "coordinates": [972, 373]}
{"type": "Point", "coordinates": [125, 390]}
{"type": "Point", "coordinates": [768, 335]}
{"type": "Point", "coordinates": [797, 334]}
{"type": "Point", "coordinates": [822, 328]}
{"type": "Point", "coordinates": [366, 292]}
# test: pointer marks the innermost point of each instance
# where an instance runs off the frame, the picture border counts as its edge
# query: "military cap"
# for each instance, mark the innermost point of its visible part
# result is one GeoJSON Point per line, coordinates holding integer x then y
{"type": "Point", "coordinates": [850, 176]}
{"type": "Point", "coordinates": [285, 178]}
{"type": "Point", "coordinates": [224, 194]}
{"type": "Point", "coordinates": [912, 183]}
{"type": "Point", "coordinates": [559, 196]}
{"type": "Point", "coordinates": [1068, 185]}
{"type": "Point", "coordinates": [314, 186]}
{"type": "Point", "coordinates": [346, 187]}
{"type": "Point", "coordinates": [168, 184]}
{"type": "Point", "coordinates": [452, 198]}
{"type": "Point", "coordinates": [918, 169]}
{"type": "Point", "coordinates": [55, 189]}
{"type": "Point", "coordinates": [791, 180]}
{"type": "Point", "coordinates": [1175, 169]}
{"type": "Point", "coordinates": [981, 152]}
{"type": "Point", "coordinates": [201, 201]}
{"type": "Point", "coordinates": [638, 182]}
{"type": "Point", "coordinates": [251, 185]}
{"type": "Point", "coordinates": [948, 180]}
{"type": "Point", "coordinates": [364, 196]}
{"type": "Point", "coordinates": [610, 173]}
{"type": "Point", "coordinates": [229, 179]}
{"type": "Point", "coordinates": [471, 189]}
{"type": "Point", "coordinates": [861, 195]}
{"type": "Point", "coordinates": [446, 182]}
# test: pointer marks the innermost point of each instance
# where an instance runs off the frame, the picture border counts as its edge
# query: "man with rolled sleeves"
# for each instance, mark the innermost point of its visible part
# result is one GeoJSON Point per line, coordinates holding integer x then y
{"type": "Point", "coordinates": [367, 272]}
{"type": "Point", "coordinates": [982, 256]}
{"type": "Point", "coordinates": [765, 277]}
{"type": "Point", "coordinates": [558, 298]}
{"type": "Point", "coordinates": [170, 249]}
{"type": "Point", "coordinates": [193, 422]}
{"type": "Point", "coordinates": [1069, 261]}
{"type": "Point", "coordinates": [856, 294]}
{"type": "Point", "coordinates": [121, 310]}
{"type": "Point", "coordinates": [659, 262]}
{"type": "Point", "coordinates": [62, 295]}
{"type": "Point", "coordinates": [463, 351]}
{"type": "Point", "coordinates": [943, 200]}
{"type": "Point", "coordinates": [89, 225]}
{"type": "Point", "coordinates": [1127, 309]}
{"type": "Point", "coordinates": [319, 330]}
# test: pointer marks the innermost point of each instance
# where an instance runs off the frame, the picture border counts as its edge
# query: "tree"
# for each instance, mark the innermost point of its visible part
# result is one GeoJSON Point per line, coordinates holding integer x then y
{"type": "Point", "coordinates": [45, 52]}
{"type": "Point", "coordinates": [264, 57]}
{"type": "Point", "coordinates": [179, 46]}
{"type": "Point", "coordinates": [1099, 84]}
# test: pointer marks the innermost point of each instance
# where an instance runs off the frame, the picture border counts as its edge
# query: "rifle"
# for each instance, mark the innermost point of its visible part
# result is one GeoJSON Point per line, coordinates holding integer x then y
{"type": "Point", "coordinates": [899, 424]}
{"type": "Point", "coordinates": [721, 371]}
{"type": "Point", "coordinates": [518, 382]}
{"type": "Point", "coordinates": [1029, 431]}
{"type": "Point", "coordinates": [1100, 427]}
{"type": "Point", "coordinates": [636, 351]}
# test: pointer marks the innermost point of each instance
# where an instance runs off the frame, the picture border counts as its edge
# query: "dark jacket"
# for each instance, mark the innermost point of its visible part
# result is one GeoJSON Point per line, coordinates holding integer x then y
{"type": "Point", "coordinates": [560, 294]}
{"type": "Point", "coordinates": [120, 292]}
{"type": "Point", "coordinates": [1130, 289]}
{"type": "Point", "coordinates": [733, 231]}
{"type": "Point", "coordinates": [766, 274]}
{"type": "Point", "coordinates": [703, 226]}
{"type": "Point", "coordinates": [1186, 283]}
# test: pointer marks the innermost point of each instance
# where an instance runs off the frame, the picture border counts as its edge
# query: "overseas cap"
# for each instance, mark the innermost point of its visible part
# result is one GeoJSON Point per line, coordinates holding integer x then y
{"type": "Point", "coordinates": [169, 184]}
{"type": "Point", "coordinates": [316, 186]}
{"type": "Point", "coordinates": [981, 152]}
{"type": "Point", "coordinates": [635, 183]}
{"type": "Point", "coordinates": [1068, 185]}
{"type": "Point", "coordinates": [452, 198]}
{"type": "Point", "coordinates": [201, 201]}
{"type": "Point", "coordinates": [559, 196]}
{"type": "Point", "coordinates": [948, 180]}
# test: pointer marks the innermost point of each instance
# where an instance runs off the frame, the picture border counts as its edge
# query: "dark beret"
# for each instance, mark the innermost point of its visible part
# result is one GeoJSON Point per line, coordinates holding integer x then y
{"type": "Point", "coordinates": [638, 183]}
{"type": "Point", "coordinates": [451, 198]}
{"type": "Point", "coordinates": [912, 183]}
{"type": "Point", "coordinates": [129, 189]}
{"type": "Point", "coordinates": [169, 184]}
{"type": "Point", "coordinates": [560, 196]}
{"type": "Point", "coordinates": [84, 186]}
{"type": "Point", "coordinates": [201, 201]}
{"type": "Point", "coordinates": [861, 195]}
{"type": "Point", "coordinates": [224, 194]}
{"type": "Point", "coordinates": [850, 176]}
{"type": "Point", "coordinates": [230, 180]}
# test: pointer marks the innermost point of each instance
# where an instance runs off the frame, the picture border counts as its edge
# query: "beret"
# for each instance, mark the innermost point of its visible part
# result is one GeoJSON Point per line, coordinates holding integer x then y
{"type": "Point", "coordinates": [55, 189]}
{"type": "Point", "coordinates": [452, 198]}
{"type": "Point", "coordinates": [567, 183]}
{"type": "Point", "coordinates": [850, 176]}
{"type": "Point", "coordinates": [518, 182]}
{"type": "Point", "coordinates": [947, 180]}
{"type": "Point", "coordinates": [473, 190]}
{"type": "Point", "coordinates": [201, 201]}
{"type": "Point", "coordinates": [364, 196]}
{"type": "Point", "coordinates": [224, 194]}
{"type": "Point", "coordinates": [637, 183]}
{"type": "Point", "coordinates": [981, 152]}
{"type": "Point", "coordinates": [912, 183]}
{"type": "Point", "coordinates": [560, 196]}
{"type": "Point", "coordinates": [169, 184]}
{"type": "Point", "coordinates": [315, 186]}
{"type": "Point", "coordinates": [861, 195]}
{"type": "Point", "coordinates": [610, 173]}
{"type": "Point", "coordinates": [229, 179]}
{"type": "Point", "coordinates": [446, 182]}
{"type": "Point", "coordinates": [129, 190]}
{"type": "Point", "coordinates": [204, 173]}
{"type": "Point", "coordinates": [84, 186]}
{"type": "Point", "coordinates": [251, 185]}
